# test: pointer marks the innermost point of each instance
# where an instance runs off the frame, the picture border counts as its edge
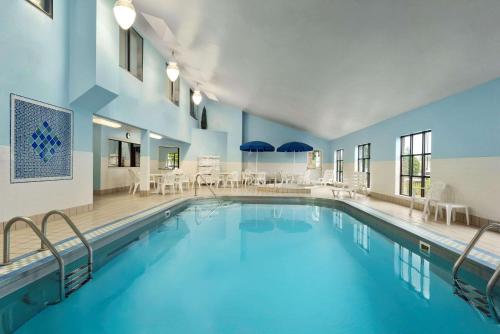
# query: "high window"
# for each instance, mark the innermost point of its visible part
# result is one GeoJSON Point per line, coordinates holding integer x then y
{"type": "Point", "coordinates": [363, 154]}
{"type": "Point", "coordinates": [131, 52]}
{"type": "Point", "coordinates": [45, 6]}
{"type": "Point", "coordinates": [415, 163]}
{"type": "Point", "coordinates": [192, 107]}
{"type": "Point", "coordinates": [339, 166]}
{"type": "Point", "coordinates": [172, 89]}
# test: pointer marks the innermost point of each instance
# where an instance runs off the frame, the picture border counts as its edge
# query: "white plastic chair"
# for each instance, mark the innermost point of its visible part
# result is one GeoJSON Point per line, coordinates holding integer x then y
{"type": "Point", "coordinates": [327, 178]}
{"type": "Point", "coordinates": [260, 178]}
{"type": "Point", "coordinates": [135, 181]}
{"type": "Point", "coordinates": [433, 195]}
{"type": "Point", "coordinates": [168, 180]}
{"type": "Point", "coordinates": [306, 178]}
{"type": "Point", "coordinates": [233, 179]}
{"type": "Point", "coordinates": [248, 177]}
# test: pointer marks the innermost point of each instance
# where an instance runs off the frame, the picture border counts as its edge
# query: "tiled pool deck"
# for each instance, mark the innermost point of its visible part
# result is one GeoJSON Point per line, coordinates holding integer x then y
{"type": "Point", "coordinates": [118, 207]}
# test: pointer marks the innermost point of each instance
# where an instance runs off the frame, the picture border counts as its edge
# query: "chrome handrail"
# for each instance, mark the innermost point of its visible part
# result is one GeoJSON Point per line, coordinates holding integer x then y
{"type": "Point", "coordinates": [196, 183]}
{"type": "Point", "coordinates": [494, 278]}
{"type": "Point", "coordinates": [45, 222]}
{"type": "Point", "coordinates": [50, 246]}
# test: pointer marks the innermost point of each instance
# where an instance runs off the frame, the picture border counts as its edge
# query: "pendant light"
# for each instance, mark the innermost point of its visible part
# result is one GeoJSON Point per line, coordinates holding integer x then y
{"type": "Point", "coordinates": [172, 70]}
{"type": "Point", "coordinates": [124, 13]}
{"type": "Point", "coordinates": [197, 97]}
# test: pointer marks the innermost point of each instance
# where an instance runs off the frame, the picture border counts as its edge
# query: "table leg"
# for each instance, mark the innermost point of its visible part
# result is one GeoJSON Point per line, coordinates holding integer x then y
{"type": "Point", "coordinates": [467, 215]}
{"type": "Point", "coordinates": [448, 214]}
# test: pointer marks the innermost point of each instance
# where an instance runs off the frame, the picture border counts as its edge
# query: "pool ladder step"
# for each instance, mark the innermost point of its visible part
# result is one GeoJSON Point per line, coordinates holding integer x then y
{"type": "Point", "coordinates": [483, 302]}
{"type": "Point", "coordinates": [76, 279]}
{"type": "Point", "coordinates": [473, 297]}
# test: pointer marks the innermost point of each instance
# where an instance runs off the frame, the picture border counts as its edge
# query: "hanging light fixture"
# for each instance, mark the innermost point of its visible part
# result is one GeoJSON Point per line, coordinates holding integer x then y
{"type": "Point", "coordinates": [124, 13]}
{"type": "Point", "coordinates": [172, 70]}
{"type": "Point", "coordinates": [197, 97]}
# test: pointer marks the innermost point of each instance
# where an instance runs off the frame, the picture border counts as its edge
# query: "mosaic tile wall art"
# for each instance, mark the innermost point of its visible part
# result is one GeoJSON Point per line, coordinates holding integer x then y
{"type": "Point", "coordinates": [41, 142]}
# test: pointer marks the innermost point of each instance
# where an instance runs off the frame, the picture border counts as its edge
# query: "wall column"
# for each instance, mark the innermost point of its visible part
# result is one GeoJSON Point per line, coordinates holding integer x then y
{"type": "Point", "coordinates": [145, 162]}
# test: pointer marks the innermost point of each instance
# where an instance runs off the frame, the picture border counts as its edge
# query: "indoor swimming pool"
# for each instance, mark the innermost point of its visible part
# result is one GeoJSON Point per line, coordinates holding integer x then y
{"type": "Point", "coordinates": [266, 268]}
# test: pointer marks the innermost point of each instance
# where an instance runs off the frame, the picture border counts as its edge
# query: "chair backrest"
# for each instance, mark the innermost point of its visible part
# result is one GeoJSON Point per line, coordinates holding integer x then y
{"type": "Point", "coordinates": [307, 176]}
{"type": "Point", "coordinates": [436, 190]}
{"type": "Point", "coordinates": [169, 179]}
{"type": "Point", "coordinates": [133, 175]}
{"type": "Point", "coordinates": [328, 174]}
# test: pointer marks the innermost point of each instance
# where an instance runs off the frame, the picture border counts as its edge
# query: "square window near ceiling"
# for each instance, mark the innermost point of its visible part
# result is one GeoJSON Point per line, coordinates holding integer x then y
{"type": "Point", "coordinates": [45, 6]}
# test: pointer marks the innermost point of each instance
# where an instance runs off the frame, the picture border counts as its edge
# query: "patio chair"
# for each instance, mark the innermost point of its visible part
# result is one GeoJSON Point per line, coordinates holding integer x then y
{"type": "Point", "coordinates": [433, 195]}
{"type": "Point", "coordinates": [135, 181]}
{"type": "Point", "coordinates": [260, 178]}
{"type": "Point", "coordinates": [168, 180]}
{"type": "Point", "coordinates": [248, 177]}
{"type": "Point", "coordinates": [233, 179]}
{"type": "Point", "coordinates": [305, 179]}
{"type": "Point", "coordinates": [326, 179]}
{"type": "Point", "coordinates": [344, 187]}
{"type": "Point", "coordinates": [285, 178]}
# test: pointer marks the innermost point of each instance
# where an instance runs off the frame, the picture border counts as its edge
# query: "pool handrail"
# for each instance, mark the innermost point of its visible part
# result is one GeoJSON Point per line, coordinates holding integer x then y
{"type": "Point", "coordinates": [79, 234]}
{"type": "Point", "coordinates": [494, 278]}
{"type": "Point", "coordinates": [43, 238]}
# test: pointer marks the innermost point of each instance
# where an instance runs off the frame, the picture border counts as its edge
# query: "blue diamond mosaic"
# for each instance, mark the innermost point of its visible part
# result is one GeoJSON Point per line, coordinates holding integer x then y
{"type": "Point", "coordinates": [41, 141]}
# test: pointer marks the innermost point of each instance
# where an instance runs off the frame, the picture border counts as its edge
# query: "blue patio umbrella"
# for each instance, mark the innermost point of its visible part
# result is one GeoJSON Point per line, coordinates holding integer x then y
{"type": "Point", "coordinates": [294, 146]}
{"type": "Point", "coordinates": [257, 146]}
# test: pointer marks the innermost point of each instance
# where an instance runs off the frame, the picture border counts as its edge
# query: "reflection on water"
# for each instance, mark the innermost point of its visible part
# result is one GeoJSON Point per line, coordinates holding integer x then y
{"type": "Point", "coordinates": [315, 214]}
{"type": "Point", "coordinates": [293, 226]}
{"type": "Point", "coordinates": [256, 226]}
{"type": "Point", "coordinates": [337, 219]}
{"type": "Point", "coordinates": [413, 269]}
{"type": "Point", "coordinates": [362, 236]}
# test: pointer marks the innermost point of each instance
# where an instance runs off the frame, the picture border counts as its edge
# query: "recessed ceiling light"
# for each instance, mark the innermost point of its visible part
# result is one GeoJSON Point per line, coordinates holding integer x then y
{"type": "Point", "coordinates": [155, 136]}
{"type": "Point", "coordinates": [105, 122]}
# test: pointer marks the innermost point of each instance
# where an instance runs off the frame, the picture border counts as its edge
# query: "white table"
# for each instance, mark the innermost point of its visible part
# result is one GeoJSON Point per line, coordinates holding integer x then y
{"type": "Point", "coordinates": [451, 208]}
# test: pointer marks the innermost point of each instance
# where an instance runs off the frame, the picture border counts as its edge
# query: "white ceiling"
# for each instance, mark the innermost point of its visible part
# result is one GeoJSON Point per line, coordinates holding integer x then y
{"type": "Point", "coordinates": [328, 66]}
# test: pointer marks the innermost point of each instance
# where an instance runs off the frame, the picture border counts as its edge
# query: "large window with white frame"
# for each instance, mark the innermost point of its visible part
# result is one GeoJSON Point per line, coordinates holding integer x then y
{"type": "Point", "coordinates": [415, 163]}
{"type": "Point", "coordinates": [339, 165]}
{"type": "Point", "coordinates": [363, 153]}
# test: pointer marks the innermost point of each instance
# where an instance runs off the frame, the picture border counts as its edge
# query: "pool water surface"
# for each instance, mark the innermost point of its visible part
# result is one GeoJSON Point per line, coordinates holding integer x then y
{"type": "Point", "coordinates": [261, 268]}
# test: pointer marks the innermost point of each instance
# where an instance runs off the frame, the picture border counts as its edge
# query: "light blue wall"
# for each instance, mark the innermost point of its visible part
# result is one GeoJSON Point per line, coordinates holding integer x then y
{"type": "Point", "coordinates": [463, 125]}
{"type": "Point", "coordinates": [257, 128]}
{"type": "Point", "coordinates": [207, 142]}
{"type": "Point", "coordinates": [227, 119]}
{"type": "Point", "coordinates": [155, 144]}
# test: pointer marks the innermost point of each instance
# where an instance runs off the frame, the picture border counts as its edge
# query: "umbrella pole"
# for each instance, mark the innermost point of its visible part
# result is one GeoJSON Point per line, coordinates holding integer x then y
{"type": "Point", "coordinates": [294, 171]}
{"type": "Point", "coordinates": [256, 161]}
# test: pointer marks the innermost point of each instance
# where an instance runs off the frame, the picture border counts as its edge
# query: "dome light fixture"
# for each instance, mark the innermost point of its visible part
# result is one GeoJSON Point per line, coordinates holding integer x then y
{"type": "Point", "coordinates": [173, 70]}
{"type": "Point", "coordinates": [124, 13]}
{"type": "Point", "coordinates": [197, 97]}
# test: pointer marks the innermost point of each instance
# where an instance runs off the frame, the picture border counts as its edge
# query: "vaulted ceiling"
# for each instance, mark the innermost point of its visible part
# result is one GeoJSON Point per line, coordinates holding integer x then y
{"type": "Point", "coordinates": [328, 66]}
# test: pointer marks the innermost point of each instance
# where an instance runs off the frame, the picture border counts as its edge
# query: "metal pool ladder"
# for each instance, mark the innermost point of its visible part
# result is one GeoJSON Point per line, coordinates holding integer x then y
{"type": "Point", "coordinates": [485, 304]}
{"type": "Point", "coordinates": [68, 283]}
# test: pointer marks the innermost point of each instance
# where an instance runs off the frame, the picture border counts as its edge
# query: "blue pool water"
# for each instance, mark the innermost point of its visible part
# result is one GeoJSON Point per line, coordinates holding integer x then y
{"type": "Point", "coordinates": [252, 268]}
